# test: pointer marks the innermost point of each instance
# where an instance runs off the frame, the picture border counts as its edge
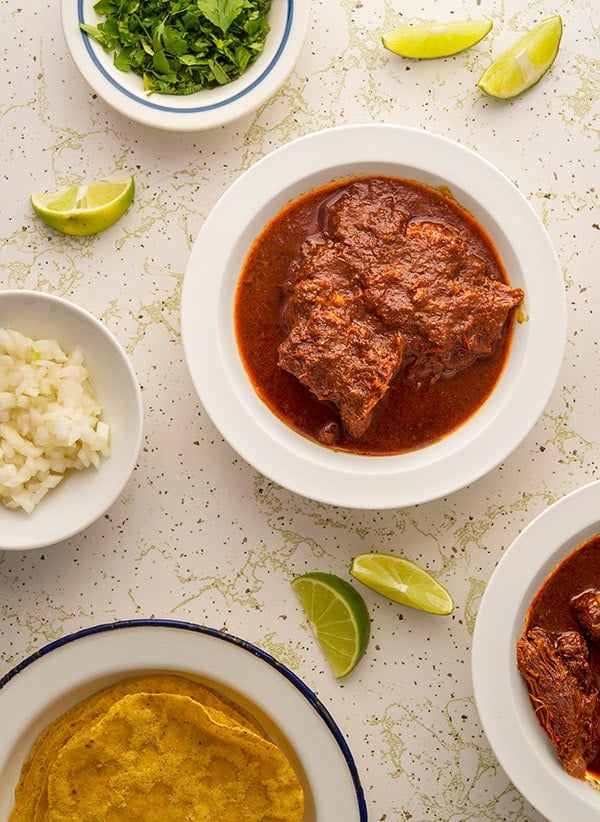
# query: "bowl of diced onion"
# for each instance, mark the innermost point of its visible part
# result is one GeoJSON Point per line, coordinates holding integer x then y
{"type": "Point", "coordinates": [71, 419]}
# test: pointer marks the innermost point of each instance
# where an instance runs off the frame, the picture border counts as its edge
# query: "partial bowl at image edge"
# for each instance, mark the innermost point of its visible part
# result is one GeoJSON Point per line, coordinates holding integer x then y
{"type": "Point", "coordinates": [83, 496]}
{"type": "Point", "coordinates": [512, 729]}
{"type": "Point", "coordinates": [79, 664]}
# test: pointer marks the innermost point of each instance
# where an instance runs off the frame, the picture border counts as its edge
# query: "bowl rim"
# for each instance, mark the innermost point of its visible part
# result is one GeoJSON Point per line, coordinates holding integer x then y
{"type": "Point", "coordinates": [267, 443]}
{"type": "Point", "coordinates": [28, 538]}
{"type": "Point", "coordinates": [512, 730]}
{"type": "Point", "coordinates": [207, 108]}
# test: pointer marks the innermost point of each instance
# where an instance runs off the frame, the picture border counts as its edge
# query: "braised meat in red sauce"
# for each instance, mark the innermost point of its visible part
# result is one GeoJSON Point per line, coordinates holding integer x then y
{"type": "Point", "coordinates": [383, 289]}
{"type": "Point", "coordinates": [334, 344]}
{"type": "Point", "coordinates": [558, 655]}
{"type": "Point", "coordinates": [564, 693]}
{"type": "Point", "coordinates": [586, 608]}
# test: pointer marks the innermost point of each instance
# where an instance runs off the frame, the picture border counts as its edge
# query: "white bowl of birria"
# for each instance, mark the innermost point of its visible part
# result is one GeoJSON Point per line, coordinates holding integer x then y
{"type": "Point", "coordinates": [373, 316]}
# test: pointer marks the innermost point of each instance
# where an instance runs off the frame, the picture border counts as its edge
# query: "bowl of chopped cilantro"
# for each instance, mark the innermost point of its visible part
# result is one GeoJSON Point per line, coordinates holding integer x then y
{"type": "Point", "coordinates": [185, 65]}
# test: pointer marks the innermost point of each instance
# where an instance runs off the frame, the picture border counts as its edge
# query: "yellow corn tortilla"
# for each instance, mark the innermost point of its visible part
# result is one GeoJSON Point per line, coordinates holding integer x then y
{"type": "Point", "coordinates": [167, 758]}
{"type": "Point", "coordinates": [31, 790]}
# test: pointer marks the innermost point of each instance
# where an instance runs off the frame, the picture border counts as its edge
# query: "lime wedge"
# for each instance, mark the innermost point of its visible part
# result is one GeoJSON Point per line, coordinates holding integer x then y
{"type": "Point", "coordinates": [426, 41]}
{"type": "Point", "coordinates": [338, 616]}
{"type": "Point", "coordinates": [402, 581]}
{"type": "Point", "coordinates": [524, 64]}
{"type": "Point", "coordinates": [84, 209]}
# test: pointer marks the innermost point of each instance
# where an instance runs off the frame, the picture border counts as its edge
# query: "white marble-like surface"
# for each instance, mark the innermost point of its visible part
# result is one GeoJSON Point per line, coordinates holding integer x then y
{"type": "Point", "coordinates": [198, 535]}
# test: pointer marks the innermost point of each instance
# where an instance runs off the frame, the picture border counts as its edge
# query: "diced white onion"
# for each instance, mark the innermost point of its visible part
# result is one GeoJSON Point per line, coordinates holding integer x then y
{"type": "Point", "coordinates": [50, 418]}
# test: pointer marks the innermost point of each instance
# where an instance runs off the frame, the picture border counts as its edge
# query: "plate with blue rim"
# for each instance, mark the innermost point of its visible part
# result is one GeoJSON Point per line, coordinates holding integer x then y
{"type": "Point", "coordinates": [64, 672]}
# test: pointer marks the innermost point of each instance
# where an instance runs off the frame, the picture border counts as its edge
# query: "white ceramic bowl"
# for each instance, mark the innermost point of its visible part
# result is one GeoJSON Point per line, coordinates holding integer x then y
{"type": "Point", "coordinates": [85, 495]}
{"type": "Point", "coordinates": [63, 673]}
{"type": "Point", "coordinates": [518, 740]}
{"type": "Point", "coordinates": [208, 108]}
{"type": "Point", "coordinates": [275, 449]}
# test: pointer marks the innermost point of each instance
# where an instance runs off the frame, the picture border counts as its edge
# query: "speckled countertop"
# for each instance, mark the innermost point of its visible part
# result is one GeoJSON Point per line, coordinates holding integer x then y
{"type": "Point", "coordinates": [198, 535]}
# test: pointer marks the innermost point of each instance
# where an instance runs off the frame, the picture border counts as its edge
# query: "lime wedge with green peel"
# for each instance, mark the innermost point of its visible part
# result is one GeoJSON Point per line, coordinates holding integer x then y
{"type": "Point", "coordinates": [84, 209]}
{"type": "Point", "coordinates": [402, 581]}
{"type": "Point", "coordinates": [338, 616]}
{"type": "Point", "coordinates": [524, 64]}
{"type": "Point", "coordinates": [426, 41]}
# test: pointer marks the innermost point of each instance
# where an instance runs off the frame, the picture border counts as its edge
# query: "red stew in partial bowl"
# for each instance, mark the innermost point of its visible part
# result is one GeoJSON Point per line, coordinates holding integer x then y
{"type": "Point", "coordinates": [558, 655]}
{"type": "Point", "coordinates": [373, 315]}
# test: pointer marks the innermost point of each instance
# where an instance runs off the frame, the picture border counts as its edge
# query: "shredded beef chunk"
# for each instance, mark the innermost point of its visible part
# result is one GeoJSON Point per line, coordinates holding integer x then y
{"type": "Point", "coordinates": [334, 347]}
{"type": "Point", "coordinates": [586, 610]}
{"type": "Point", "coordinates": [564, 693]}
{"type": "Point", "coordinates": [379, 294]}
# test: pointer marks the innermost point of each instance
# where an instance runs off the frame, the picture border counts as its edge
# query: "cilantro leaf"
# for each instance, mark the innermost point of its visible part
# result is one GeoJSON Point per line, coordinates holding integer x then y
{"type": "Point", "coordinates": [221, 13]}
{"type": "Point", "coordinates": [182, 46]}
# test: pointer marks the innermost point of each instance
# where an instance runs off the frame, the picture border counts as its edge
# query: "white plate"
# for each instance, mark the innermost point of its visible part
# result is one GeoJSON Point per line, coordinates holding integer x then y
{"type": "Point", "coordinates": [208, 108]}
{"type": "Point", "coordinates": [65, 672]}
{"type": "Point", "coordinates": [219, 376]}
{"type": "Point", "coordinates": [520, 743]}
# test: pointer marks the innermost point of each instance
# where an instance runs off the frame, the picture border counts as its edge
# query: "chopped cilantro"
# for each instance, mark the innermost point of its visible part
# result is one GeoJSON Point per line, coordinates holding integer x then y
{"type": "Point", "coordinates": [182, 46]}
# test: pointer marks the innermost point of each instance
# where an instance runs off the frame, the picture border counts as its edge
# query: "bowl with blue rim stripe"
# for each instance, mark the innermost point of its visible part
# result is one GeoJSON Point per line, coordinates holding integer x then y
{"type": "Point", "coordinates": [207, 108]}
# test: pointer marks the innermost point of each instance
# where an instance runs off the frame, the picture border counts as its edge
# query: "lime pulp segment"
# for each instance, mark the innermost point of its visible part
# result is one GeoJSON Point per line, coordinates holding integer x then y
{"type": "Point", "coordinates": [426, 41]}
{"type": "Point", "coordinates": [401, 580]}
{"type": "Point", "coordinates": [84, 209]}
{"type": "Point", "coordinates": [525, 63]}
{"type": "Point", "coordinates": [338, 617]}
